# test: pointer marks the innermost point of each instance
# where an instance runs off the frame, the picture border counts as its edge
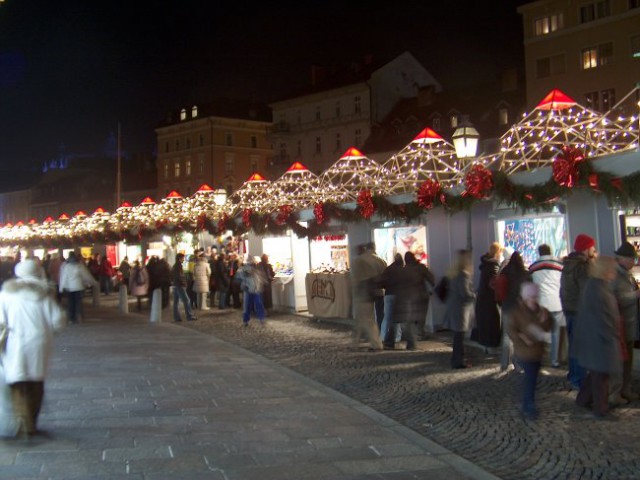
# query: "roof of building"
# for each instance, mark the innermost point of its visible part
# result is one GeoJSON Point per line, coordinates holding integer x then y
{"type": "Point", "coordinates": [224, 108]}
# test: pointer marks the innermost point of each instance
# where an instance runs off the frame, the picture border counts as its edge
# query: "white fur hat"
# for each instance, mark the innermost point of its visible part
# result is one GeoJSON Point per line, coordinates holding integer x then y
{"type": "Point", "coordinates": [29, 269]}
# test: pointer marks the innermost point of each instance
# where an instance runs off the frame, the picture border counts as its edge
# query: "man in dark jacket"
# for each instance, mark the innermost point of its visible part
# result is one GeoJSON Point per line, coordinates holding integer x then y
{"type": "Point", "coordinates": [222, 280]}
{"type": "Point", "coordinates": [179, 282]}
{"type": "Point", "coordinates": [390, 331]}
{"type": "Point", "coordinates": [626, 291]}
{"type": "Point", "coordinates": [575, 271]}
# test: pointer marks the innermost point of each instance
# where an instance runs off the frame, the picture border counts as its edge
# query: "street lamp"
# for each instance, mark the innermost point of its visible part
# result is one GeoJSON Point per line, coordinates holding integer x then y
{"type": "Point", "coordinates": [220, 197]}
{"type": "Point", "coordinates": [465, 140]}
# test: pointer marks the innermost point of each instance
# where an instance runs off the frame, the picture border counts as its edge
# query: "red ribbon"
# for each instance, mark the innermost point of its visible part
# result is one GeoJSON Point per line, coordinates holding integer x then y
{"type": "Point", "coordinates": [478, 182]}
{"type": "Point", "coordinates": [318, 212]}
{"type": "Point", "coordinates": [428, 192]}
{"type": "Point", "coordinates": [565, 166]}
{"type": "Point", "coordinates": [365, 202]}
{"type": "Point", "coordinates": [283, 214]}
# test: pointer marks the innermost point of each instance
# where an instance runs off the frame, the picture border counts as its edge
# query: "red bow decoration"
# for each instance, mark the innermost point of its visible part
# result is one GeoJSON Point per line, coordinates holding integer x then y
{"type": "Point", "coordinates": [222, 223]}
{"type": "Point", "coordinates": [246, 217]}
{"type": "Point", "coordinates": [428, 192]}
{"type": "Point", "coordinates": [283, 214]}
{"type": "Point", "coordinates": [318, 212]}
{"type": "Point", "coordinates": [202, 219]}
{"type": "Point", "coordinates": [594, 181]}
{"type": "Point", "coordinates": [365, 202]}
{"type": "Point", "coordinates": [478, 182]}
{"type": "Point", "coordinates": [565, 166]}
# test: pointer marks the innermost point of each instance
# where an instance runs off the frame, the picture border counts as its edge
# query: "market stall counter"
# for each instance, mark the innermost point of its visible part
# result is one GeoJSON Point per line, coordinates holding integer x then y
{"type": "Point", "coordinates": [328, 294]}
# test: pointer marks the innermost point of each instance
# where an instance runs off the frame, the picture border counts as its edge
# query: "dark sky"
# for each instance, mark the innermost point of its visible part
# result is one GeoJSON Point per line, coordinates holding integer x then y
{"type": "Point", "coordinates": [70, 70]}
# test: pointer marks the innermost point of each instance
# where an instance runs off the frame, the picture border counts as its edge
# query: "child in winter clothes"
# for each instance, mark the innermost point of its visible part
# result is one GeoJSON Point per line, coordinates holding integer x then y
{"type": "Point", "coordinates": [528, 326]}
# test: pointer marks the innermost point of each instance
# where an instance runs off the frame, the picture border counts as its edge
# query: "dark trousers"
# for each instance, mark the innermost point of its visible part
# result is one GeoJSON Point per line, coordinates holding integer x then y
{"type": "Point", "coordinates": [576, 372]}
{"type": "Point", "coordinates": [378, 305]}
{"type": "Point", "coordinates": [26, 400]}
{"type": "Point", "coordinates": [233, 296]}
{"type": "Point", "coordinates": [74, 306]}
{"type": "Point", "coordinates": [595, 390]}
{"type": "Point", "coordinates": [457, 357]}
{"type": "Point", "coordinates": [253, 302]}
{"type": "Point", "coordinates": [529, 381]}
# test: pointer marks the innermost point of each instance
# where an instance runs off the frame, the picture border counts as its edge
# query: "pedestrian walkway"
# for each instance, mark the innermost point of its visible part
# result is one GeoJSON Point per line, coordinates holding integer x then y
{"type": "Point", "coordinates": [135, 400]}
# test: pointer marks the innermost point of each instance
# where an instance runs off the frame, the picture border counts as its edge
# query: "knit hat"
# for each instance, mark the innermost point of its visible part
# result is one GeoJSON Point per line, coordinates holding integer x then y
{"type": "Point", "coordinates": [583, 242]}
{"type": "Point", "coordinates": [626, 250]}
{"type": "Point", "coordinates": [29, 269]}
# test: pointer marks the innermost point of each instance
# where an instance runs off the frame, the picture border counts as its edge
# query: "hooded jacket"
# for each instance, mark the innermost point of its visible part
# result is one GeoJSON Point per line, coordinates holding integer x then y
{"type": "Point", "coordinates": [31, 316]}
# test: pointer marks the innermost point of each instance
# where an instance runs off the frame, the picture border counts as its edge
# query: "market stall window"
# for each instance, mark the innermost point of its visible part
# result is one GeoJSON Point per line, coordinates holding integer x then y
{"type": "Point", "coordinates": [525, 234]}
{"type": "Point", "coordinates": [329, 253]}
{"type": "Point", "coordinates": [392, 240]}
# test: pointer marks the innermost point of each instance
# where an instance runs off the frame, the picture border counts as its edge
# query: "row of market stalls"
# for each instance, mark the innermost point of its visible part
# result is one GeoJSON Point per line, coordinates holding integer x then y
{"type": "Point", "coordinates": [561, 170]}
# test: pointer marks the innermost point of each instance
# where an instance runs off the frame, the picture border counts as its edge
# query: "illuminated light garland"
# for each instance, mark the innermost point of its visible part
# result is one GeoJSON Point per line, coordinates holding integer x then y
{"type": "Point", "coordinates": [351, 173]}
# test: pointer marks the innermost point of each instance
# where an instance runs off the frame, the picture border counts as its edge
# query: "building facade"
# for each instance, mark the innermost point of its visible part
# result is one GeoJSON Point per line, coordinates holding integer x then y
{"type": "Point", "coordinates": [316, 126]}
{"type": "Point", "coordinates": [589, 49]}
{"type": "Point", "coordinates": [218, 145]}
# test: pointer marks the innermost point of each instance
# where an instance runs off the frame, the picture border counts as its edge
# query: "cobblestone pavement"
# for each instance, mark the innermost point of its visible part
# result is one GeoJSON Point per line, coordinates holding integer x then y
{"type": "Point", "coordinates": [472, 412]}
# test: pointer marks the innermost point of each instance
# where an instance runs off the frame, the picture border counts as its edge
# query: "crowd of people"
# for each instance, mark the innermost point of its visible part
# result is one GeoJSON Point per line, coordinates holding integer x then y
{"type": "Point", "coordinates": [584, 304]}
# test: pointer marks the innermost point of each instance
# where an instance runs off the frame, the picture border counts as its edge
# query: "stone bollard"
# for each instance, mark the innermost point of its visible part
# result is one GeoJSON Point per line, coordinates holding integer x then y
{"type": "Point", "coordinates": [156, 306]}
{"type": "Point", "coordinates": [124, 299]}
{"type": "Point", "coordinates": [96, 294]}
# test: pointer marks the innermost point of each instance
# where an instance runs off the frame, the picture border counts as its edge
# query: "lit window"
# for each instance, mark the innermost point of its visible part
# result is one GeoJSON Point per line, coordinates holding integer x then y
{"type": "Point", "coordinates": [598, 56]}
{"type": "Point", "coordinates": [546, 25]}
{"type": "Point", "coordinates": [187, 168]}
{"type": "Point", "coordinates": [176, 169]}
{"type": "Point", "coordinates": [357, 108]}
{"type": "Point", "coordinates": [358, 137]}
{"type": "Point", "coordinates": [503, 116]}
{"type": "Point", "coordinates": [228, 139]}
{"type": "Point", "coordinates": [194, 111]}
{"type": "Point", "coordinates": [183, 114]}
{"type": "Point", "coordinates": [254, 141]}
{"type": "Point", "coordinates": [318, 145]}
{"type": "Point", "coordinates": [454, 121]}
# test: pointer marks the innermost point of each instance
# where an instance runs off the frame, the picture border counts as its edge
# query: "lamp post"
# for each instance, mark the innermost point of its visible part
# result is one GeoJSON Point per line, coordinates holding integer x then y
{"type": "Point", "coordinates": [465, 140]}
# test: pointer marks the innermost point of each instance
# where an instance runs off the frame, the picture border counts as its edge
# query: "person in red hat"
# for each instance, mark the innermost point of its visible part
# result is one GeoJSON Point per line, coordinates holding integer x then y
{"type": "Point", "coordinates": [575, 271]}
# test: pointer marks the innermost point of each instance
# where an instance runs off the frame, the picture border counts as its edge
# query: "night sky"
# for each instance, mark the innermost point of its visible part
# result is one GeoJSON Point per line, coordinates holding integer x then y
{"type": "Point", "coordinates": [70, 70]}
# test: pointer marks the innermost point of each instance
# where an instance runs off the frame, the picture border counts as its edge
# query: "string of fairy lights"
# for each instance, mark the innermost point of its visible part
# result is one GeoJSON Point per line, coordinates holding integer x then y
{"type": "Point", "coordinates": [532, 143]}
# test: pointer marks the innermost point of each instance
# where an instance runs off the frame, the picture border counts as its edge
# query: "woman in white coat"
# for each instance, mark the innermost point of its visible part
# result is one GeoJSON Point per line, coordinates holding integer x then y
{"type": "Point", "coordinates": [201, 276]}
{"type": "Point", "coordinates": [31, 316]}
{"type": "Point", "coordinates": [139, 282]}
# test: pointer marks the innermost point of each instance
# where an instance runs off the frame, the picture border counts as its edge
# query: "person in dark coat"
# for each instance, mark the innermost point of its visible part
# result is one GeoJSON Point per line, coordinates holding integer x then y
{"type": "Point", "coordinates": [390, 280]}
{"type": "Point", "coordinates": [412, 301]}
{"type": "Point", "coordinates": [459, 313]}
{"type": "Point", "coordinates": [269, 274]}
{"type": "Point", "coordinates": [223, 280]}
{"type": "Point", "coordinates": [163, 279]}
{"type": "Point", "coordinates": [515, 275]}
{"type": "Point", "coordinates": [487, 311]}
{"type": "Point", "coordinates": [597, 336]}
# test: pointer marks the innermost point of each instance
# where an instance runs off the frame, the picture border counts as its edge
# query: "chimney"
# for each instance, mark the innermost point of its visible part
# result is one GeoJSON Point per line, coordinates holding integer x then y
{"type": "Point", "coordinates": [318, 74]}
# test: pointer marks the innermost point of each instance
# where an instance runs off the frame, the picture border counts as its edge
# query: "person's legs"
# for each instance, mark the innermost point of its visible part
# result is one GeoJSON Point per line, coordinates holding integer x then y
{"type": "Point", "coordinates": [379, 310]}
{"type": "Point", "coordinates": [585, 394]}
{"type": "Point", "coordinates": [554, 348]}
{"type": "Point", "coordinates": [410, 330]}
{"type": "Point", "coordinates": [35, 394]}
{"type": "Point", "coordinates": [182, 293]}
{"type": "Point", "coordinates": [387, 320]}
{"type": "Point", "coordinates": [576, 372]}
{"type": "Point", "coordinates": [222, 299]}
{"type": "Point", "coordinates": [627, 371]}
{"type": "Point", "coordinates": [26, 400]}
{"type": "Point", "coordinates": [600, 389]}
{"type": "Point", "coordinates": [248, 305]}
{"type": "Point", "coordinates": [457, 355]}
{"type": "Point", "coordinates": [529, 380]}
{"type": "Point", "coordinates": [176, 304]}
{"type": "Point", "coordinates": [71, 307]}
{"type": "Point", "coordinates": [259, 306]}
{"type": "Point", "coordinates": [507, 346]}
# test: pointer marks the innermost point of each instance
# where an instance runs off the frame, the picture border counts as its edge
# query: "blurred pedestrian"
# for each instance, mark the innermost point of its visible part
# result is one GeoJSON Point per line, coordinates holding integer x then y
{"type": "Point", "coordinates": [412, 301]}
{"type": "Point", "coordinates": [596, 340]}
{"type": "Point", "coordinates": [575, 272]}
{"type": "Point", "coordinates": [233, 297]}
{"type": "Point", "coordinates": [251, 281]}
{"type": "Point", "coordinates": [546, 272]}
{"type": "Point", "coordinates": [528, 325]}
{"type": "Point", "coordinates": [30, 315]}
{"type": "Point", "coordinates": [269, 275]}
{"type": "Point", "coordinates": [460, 300]}
{"type": "Point", "coordinates": [626, 292]}
{"type": "Point", "coordinates": [486, 309]}
{"type": "Point", "coordinates": [508, 283]}
{"type": "Point", "coordinates": [139, 283]}
{"type": "Point", "coordinates": [74, 278]}
{"type": "Point", "coordinates": [180, 290]}
{"type": "Point", "coordinates": [201, 278]}
{"type": "Point", "coordinates": [365, 275]}
{"type": "Point", "coordinates": [390, 280]}
{"type": "Point", "coordinates": [106, 273]}
{"type": "Point", "coordinates": [125, 270]}
{"type": "Point", "coordinates": [222, 280]}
